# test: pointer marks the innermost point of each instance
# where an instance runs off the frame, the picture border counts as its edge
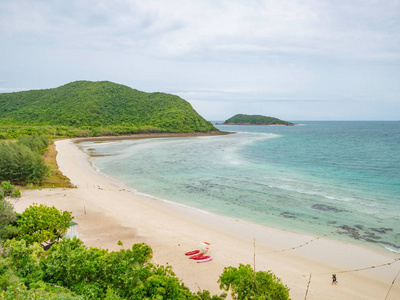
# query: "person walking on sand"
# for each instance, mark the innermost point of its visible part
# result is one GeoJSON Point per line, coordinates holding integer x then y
{"type": "Point", "coordinates": [334, 279]}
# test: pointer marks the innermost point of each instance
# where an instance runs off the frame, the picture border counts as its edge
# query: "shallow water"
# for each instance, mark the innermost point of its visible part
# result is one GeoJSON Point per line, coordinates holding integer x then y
{"type": "Point", "coordinates": [334, 179]}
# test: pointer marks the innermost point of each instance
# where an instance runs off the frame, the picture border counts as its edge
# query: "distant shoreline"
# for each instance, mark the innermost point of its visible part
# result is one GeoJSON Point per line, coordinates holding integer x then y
{"type": "Point", "coordinates": [254, 124]}
{"type": "Point", "coordinates": [149, 135]}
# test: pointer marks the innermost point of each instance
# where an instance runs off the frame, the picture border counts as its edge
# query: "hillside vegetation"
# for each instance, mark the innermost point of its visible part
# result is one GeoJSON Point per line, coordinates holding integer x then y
{"type": "Point", "coordinates": [85, 108]}
{"type": "Point", "coordinates": [241, 119]}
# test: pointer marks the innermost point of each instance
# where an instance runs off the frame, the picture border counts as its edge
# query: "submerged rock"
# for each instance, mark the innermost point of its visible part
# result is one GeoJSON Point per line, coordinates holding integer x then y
{"type": "Point", "coordinates": [287, 214]}
{"type": "Point", "coordinates": [350, 231]}
{"type": "Point", "coordinates": [326, 207]}
{"type": "Point", "coordinates": [381, 230]}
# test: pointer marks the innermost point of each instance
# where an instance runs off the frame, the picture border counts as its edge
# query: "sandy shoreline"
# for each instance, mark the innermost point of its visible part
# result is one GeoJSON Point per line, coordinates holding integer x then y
{"type": "Point", "coordinates": [107, 212]}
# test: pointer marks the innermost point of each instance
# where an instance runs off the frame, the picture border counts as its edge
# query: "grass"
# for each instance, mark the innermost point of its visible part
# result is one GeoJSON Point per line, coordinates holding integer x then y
{"type": "Point", "coordinates": [56, 178]}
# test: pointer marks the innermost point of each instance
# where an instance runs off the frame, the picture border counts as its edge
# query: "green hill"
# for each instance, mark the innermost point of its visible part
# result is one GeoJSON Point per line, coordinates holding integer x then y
{"type": "Point", "coordinates": [103, 106]}
{"type": "Point", "coordinates": [241, 119]}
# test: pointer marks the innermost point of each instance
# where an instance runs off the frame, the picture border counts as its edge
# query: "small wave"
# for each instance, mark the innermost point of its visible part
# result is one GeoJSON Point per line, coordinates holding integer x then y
{"type": "Point", "coordinates": [392, 250]}
{"type": "Point", "coordinates": [339, 199]}
{"type": "Point", "coordinates": [370, 212]}
{"type": "Point", "coordinates": [172, 202]}
{"type": "Point", "coordinates": [366, 204]}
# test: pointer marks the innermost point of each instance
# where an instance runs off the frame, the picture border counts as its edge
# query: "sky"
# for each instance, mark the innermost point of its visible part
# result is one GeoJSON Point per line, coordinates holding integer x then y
{"type": "Point", "coordinates": [290, 59]}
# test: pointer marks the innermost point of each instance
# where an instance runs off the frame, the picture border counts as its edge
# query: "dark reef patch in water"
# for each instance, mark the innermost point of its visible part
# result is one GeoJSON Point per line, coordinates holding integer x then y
{"type": "Point", "coordinates": [368, 236]}
{"type": "Point", "coordinates": [381, 230]}
{"type": "Point", "coordinates": [326, 207]}
{"type": "Point", "coordinates": [350, 231]}
{"type": "Point", "coordinates": [288, 215]}
{"type": "Point", "coordinates": [358, 233]}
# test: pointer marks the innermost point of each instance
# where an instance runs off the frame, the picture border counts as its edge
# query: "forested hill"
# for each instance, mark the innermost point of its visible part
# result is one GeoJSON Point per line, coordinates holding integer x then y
{"type": "Point", "coordinates": [241, 119]}
{"type": "Point", "coordinates": [103, 104]}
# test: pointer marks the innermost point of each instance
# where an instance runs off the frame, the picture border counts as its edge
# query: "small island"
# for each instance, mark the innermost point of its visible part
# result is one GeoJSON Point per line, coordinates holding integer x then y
{"type": "Point", "coordinates": [241, 119]}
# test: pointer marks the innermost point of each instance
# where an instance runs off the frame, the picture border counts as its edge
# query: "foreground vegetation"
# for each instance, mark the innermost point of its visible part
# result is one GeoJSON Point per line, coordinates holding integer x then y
{"type": "Point", "coordinates": [85, 108]}
{"type": "Point", "coordinates": [241, 119]}
{"type": "Point", "coordinates": [70, 270]}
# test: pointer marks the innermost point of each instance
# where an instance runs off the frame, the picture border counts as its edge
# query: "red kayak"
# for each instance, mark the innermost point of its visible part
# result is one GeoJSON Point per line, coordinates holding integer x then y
{"type": "Point", "coordinates": [197, 256]}
{"type": "Point", "coordinates": [202, 257]}
{"type": "Point", "coordinates": [205, 259]}
{"type": "Point", "coordinates": [192, 252]}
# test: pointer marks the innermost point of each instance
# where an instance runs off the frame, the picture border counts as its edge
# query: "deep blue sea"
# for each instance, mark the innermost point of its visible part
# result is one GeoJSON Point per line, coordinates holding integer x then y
{"type": "Point", "coordinates": [335, 179]}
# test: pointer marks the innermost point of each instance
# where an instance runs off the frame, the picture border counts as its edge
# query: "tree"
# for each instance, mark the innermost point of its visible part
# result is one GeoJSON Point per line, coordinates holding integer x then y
{"type": "Point", "coordinates": [244, 283]}
{"type": "Point", "coordinates": [42, 223]}
{"type": "Point", "coordinates": [20, 164]}
{"type": "Point", "coordinates": [7, 214]}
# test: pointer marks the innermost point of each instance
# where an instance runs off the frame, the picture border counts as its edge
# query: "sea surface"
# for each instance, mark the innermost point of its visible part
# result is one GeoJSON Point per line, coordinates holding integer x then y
{"type": "Point", "coordinates": [340, 180]}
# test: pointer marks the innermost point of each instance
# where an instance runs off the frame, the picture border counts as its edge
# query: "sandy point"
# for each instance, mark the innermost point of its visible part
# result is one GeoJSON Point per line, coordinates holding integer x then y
{"type": "Point", "coordinates": [108, 212]}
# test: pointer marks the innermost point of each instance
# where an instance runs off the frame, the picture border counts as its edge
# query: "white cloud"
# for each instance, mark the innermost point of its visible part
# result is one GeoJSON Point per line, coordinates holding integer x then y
{"type": "Point", "coordinates": [179, 28]}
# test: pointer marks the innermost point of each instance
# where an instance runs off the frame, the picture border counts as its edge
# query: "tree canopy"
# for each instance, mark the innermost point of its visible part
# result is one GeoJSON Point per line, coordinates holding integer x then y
{"type": "Point", "coordinates": [244, 284]}
{"type": "Point", "coordinates": [21, 161]}
{"type": "Point", "coordinates": [43, 223]}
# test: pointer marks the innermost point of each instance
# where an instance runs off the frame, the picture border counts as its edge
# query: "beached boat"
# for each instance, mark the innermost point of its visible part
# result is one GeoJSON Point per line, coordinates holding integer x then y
{"type": "Point", "coordinates": [197, 256]}
{"type": "Point", "coordinates": [192, 252]}
{"type": "Point", "coordinates": [205, 259]}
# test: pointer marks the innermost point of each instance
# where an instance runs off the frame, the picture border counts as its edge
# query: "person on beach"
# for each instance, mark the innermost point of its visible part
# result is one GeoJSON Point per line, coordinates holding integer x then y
{"type": "Point", "coordinates": [334, 279]}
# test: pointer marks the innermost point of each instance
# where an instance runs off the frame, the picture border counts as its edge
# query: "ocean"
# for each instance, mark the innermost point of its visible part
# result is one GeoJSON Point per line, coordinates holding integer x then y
{"type": "Point", "coordinates": [339, 180]}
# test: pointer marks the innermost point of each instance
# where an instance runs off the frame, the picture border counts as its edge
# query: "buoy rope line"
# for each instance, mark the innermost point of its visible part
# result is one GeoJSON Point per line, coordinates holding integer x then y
{"type": "Point", "coordinates": [299, 246]}
{"type": "Point", "coordinates": [392, 285]}
{"type": "Point", "coordinates": [295, 247]}
{"type": "Point", "coordinates": [308, 286]}
{"type": "Point", "coordinates": [361, 269]}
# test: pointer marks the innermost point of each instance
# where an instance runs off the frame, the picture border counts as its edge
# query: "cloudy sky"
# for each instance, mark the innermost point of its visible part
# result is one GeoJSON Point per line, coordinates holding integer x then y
{"type": "Point", "coordinates": [295, 60]}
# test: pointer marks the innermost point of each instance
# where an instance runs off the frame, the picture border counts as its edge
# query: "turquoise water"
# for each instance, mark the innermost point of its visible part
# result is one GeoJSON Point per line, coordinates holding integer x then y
{"type": "Point", "coordinates": [334, 179]}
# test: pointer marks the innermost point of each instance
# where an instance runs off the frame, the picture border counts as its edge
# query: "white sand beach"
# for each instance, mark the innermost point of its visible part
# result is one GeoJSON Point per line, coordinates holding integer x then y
{"type": "Point", "coordinates": [108, 212]}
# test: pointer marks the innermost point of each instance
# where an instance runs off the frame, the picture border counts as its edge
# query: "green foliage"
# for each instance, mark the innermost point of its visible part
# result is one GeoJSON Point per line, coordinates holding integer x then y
{"type": "Point", "coordinates": [21, 161]}
{"type": "Point", "coordinates": [85, 108]}
{"type": "Point", "coordinates": [23, 260]}
{"type": "Point", "coordinates": [12, 287]}
{"type": "Point", "coordinates": [42, 223]}
{"type": "Point", "coordinates": [255, 120]}
{"type": "Point", "coordinates": [8, 190]}
{"type": "Point", "coordinates": [98, 274]}
{"type": "Point", "coordinates": [244, 283]}
{"type": "Point", "coordinates": [205, 295]}
{"type": "Point", "coordinates": [36, 142]}
{"type": "Point", "coordinates": [7, 214]}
